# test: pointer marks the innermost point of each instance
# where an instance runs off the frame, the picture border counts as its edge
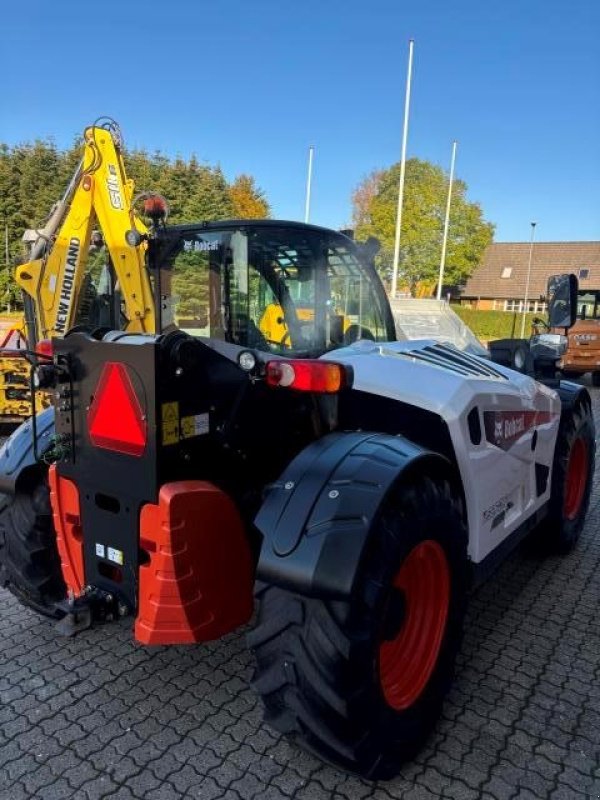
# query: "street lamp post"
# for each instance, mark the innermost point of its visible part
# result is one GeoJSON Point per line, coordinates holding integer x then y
{"type": "Point", "coordinates": [526, 300]}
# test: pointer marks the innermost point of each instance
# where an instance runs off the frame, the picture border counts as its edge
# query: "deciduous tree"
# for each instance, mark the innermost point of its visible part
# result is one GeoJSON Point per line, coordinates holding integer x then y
{"type": "Point", "coordinates": [425, 193]}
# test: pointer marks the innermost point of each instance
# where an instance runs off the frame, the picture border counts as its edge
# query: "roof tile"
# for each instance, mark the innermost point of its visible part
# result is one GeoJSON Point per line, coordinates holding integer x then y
{"type": "Point", "coordinates": [548, 258]}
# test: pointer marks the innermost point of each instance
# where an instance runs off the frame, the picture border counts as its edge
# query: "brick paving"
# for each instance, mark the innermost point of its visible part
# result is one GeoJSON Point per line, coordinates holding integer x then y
{"type": "Point", "coordinates": [98, 716]}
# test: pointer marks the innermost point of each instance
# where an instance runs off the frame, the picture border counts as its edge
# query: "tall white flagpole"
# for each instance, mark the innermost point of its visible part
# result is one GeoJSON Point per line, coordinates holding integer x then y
{"type": "Point", "coordinates": [526, 300]}
{"type": "Point", "coordinates": [446, 223]}
{"type": "Point", "coordinates": [311, 152]}
{"type": "Point", "coordinates": [402, 171]}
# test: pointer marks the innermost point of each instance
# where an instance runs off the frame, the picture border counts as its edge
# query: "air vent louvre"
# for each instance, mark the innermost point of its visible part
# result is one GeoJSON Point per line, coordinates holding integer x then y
{"type": "Point", "coordinates": [454, 360]}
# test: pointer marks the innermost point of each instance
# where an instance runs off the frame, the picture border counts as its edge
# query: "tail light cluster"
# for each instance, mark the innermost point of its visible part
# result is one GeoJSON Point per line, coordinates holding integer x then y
{"type": "Point", "coordinates": [116, 420]}
{"type": "Point", "coordinates": [308, 375]}
{"type": "Point", "coordinates": [44, 348]}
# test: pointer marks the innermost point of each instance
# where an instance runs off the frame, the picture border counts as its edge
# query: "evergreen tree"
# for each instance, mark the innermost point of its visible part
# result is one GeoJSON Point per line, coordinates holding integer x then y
{"type": "Point", "coordinates": [33, 176]}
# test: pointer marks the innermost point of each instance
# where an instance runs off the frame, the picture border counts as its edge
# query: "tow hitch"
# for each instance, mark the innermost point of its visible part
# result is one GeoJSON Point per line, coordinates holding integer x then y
{"type": "Point", "coordinates": [93, 605]}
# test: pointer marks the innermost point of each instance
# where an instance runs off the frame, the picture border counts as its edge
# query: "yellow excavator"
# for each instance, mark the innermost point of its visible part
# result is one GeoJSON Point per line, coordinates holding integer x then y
{"type": "Point", "coordinates": [64, 282]}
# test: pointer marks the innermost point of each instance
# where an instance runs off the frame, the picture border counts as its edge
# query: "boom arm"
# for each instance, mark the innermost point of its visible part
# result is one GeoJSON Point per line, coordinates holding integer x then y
{"type": "Point", "coordinates": [99, 195]}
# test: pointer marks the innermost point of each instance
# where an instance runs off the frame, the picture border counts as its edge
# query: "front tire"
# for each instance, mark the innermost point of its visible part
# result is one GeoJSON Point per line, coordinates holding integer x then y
{"type": "Point", "coordinates": [29, 559]}
{"type": "Point", "coordinates": [572, 475]}
{"type": "Point", "coordinates": [361, 683]}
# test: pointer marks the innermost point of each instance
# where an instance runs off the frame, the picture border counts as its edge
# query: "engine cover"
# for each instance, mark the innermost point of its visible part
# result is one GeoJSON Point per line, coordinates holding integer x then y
{"type": "Point", "coordinates": [501, 425]}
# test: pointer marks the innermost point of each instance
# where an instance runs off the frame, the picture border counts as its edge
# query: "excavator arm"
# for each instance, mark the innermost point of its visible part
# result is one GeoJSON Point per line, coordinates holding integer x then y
{"type": "Point", "coordinates": [56, 280]}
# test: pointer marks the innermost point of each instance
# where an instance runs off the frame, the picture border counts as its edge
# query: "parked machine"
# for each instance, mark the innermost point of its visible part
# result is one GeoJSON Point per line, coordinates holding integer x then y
{"type": "Point", "coordinates": [353, 485]}
{"type": "Point", "coordinates": [64, 283]}
{"type": "Point", "coordinates": [582, 351]}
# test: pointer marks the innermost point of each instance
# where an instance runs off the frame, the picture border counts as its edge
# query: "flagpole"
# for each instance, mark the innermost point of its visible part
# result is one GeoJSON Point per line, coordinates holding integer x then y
{"type": "Point", "coordinates": [402, 171]}
{"type": "Point", "coordinates": [526, 300]}
{"type": "Point", "coordinates": [446, 223]}
{"type": "Point", "coordinates": [311, 151]}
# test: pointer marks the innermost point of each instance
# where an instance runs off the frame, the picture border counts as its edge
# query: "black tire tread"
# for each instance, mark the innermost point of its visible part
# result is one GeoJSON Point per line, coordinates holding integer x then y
{"type": "Point", "coordinates": [555, 534]}
{"type": "Point", "coordinates": [29, 560]}
{"type": "Point", "coordinates": [305, 659]}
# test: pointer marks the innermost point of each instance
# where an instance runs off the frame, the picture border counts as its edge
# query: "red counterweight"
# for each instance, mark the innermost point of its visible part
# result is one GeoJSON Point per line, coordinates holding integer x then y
{"type": "Point", "coordinates": [198, 579]}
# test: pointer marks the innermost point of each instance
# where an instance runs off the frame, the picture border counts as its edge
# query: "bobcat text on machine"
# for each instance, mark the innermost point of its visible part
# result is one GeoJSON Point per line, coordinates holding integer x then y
{"type": "Point", "coordinates": [354, 485]}
{"type": "Point", "coordinates": [63, 286]}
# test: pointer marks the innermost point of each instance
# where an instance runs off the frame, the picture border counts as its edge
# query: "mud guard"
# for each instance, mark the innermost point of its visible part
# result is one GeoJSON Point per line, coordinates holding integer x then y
{"type": "Point", "coordinates": [17, 453]}
{"type": "Point", "coordinates": [571, 393]}
{"type": "Point", "coordinates": [315, 521]}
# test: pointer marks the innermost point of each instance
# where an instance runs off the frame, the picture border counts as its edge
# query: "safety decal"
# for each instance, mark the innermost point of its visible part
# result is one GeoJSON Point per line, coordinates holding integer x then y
{"type": "Point", "coordinates": [114, 555]}
{"type": "Point", "coordinates": [197, 425]}
{"type": "Point", "coordinates": [170, 423]}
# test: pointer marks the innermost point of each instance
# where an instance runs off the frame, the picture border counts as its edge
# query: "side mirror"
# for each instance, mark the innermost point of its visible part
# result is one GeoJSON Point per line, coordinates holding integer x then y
{"type": "Point", "coordinates": [370, 248]}
{"type": "Point", "coordinates": [562, 300]}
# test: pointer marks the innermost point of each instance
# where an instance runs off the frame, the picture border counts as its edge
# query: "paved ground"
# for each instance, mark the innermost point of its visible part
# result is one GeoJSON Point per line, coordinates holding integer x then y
{"type": "Point", "coordinates": [98, 716]}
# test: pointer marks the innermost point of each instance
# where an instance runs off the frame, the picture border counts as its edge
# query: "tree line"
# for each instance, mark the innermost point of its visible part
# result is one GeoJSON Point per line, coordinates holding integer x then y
{"type": "Point", "coordinates": [33, 176]}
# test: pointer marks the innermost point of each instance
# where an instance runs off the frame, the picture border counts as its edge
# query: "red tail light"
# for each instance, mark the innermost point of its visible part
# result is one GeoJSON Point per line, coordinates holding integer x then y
{"type": "Point", "coordinates": [306, 375]}
{"type": "Point", "coordinates": [115, 419]}
{"type": "Point", "coordinates": [44, 348]}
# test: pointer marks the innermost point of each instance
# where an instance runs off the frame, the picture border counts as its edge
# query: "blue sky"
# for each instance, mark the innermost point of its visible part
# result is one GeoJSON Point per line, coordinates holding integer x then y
{"type": "Point", "coordinates": [250, 85]}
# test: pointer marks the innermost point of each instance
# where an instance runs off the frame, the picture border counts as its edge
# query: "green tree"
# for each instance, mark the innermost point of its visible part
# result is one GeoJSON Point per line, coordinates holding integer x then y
{"type": "Point", "coordinates": [425, 193]}
{"type": "Point", "coordinates": [34, 175]}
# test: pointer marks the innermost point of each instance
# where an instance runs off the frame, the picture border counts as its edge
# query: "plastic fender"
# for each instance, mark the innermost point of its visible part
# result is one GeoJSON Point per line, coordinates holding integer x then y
{"type": "Point", "coordinates": [572, 393]}
{"type": "Point", "coordinates": [17, 452]}
{"type": "Point", "coordinates": [316, 519]}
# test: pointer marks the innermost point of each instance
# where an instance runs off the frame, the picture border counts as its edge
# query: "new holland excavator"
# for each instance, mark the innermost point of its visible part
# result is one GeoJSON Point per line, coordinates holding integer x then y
{"type": "Point", "coordinates": [64, 284]}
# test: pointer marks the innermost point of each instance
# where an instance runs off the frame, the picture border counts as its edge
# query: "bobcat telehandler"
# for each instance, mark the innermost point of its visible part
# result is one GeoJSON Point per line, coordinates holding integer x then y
{"type": "Point", "coordinates": [352, 485]}
{"type": "Point", "coordinates": [63, 283]}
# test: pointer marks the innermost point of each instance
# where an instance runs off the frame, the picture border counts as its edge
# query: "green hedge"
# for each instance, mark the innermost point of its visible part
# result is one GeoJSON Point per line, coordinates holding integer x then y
{"type": "Point", "coordinates": [488, 325]}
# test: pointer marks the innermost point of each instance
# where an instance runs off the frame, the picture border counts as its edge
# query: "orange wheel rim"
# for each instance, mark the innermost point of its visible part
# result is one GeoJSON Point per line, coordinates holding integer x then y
{"type": "Point", "coordinates": [576, 478]}
{"type": "Point", "coordinates": [407, 661]}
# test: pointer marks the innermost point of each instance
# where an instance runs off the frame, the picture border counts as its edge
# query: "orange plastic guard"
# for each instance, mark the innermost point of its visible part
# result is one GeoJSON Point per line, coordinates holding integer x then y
{"type": "Point", "coordinates": [64, 499]}
{"type": "Point", "coordinates": [198, 582]}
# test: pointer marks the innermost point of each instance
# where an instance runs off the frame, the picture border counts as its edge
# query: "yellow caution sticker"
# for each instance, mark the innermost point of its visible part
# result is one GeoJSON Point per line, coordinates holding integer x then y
{"type": "Point", "coordinates": [170, 423]}
{"type": "Point", "coordinates": [197, 425]}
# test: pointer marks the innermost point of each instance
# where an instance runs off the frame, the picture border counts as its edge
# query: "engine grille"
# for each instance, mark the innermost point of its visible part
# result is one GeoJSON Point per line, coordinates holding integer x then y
{"type": "Point", "coordinates": [453, 360]}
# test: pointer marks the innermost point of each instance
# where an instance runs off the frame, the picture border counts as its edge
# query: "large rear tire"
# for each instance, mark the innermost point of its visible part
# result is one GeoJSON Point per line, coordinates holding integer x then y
{"type": "Point", "coordinates": [29, 560]}
{"type": "Point", "coordinates": [361, 683]}
{"type": "Point", "coordinates": [572, 477]}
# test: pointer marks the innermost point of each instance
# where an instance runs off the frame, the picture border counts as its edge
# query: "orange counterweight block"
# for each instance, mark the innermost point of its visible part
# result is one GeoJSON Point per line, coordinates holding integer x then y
{"type": "Point", "coordinates": [197, 583]}
{"type": "Point", "coordinates": [196, 574]}
{"type": "Point", "coordinates": [64, 499]}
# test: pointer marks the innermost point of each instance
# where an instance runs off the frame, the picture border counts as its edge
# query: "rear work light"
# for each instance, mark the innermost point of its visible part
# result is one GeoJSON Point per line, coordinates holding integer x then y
{"type": "Point", "coordinates": [44, 348]}
{"type": "Point", "coordinates": [115, 419]}
{"type": "Point", "coordinates": [306, 375]}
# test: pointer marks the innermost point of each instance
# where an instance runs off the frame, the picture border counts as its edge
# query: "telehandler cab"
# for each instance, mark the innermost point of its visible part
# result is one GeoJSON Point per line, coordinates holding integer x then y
{"type": "Point", "coordinates": [354, 485]}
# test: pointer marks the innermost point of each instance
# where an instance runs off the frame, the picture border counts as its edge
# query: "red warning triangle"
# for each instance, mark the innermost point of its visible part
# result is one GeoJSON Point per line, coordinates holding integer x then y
{"type": "Point", "coordinates": [115, 419]}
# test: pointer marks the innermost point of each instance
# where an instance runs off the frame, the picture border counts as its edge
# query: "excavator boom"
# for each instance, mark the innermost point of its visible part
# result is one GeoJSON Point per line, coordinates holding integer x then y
{"type": "Point", "coordinates": [62, 286]}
